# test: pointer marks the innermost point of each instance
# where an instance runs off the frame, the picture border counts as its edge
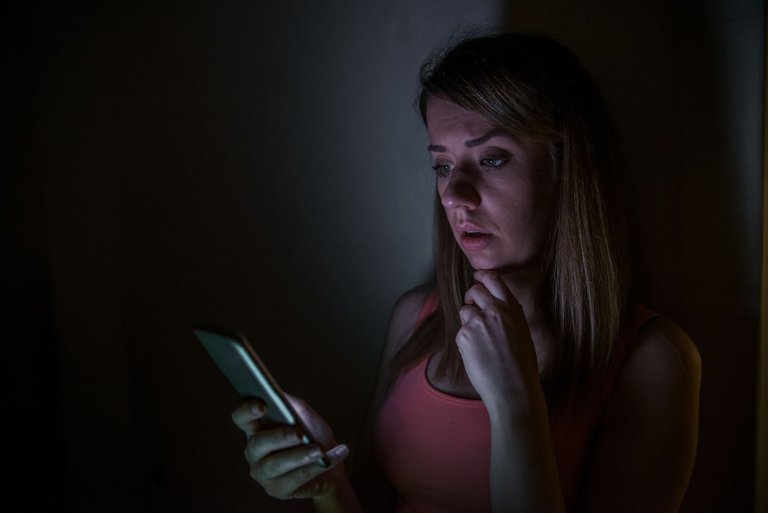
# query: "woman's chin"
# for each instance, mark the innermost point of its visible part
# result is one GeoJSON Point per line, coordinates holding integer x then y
{"type": "Point", "coordinates": [488, 262]}
{"type": "Point", "coordinates": [505, 267]}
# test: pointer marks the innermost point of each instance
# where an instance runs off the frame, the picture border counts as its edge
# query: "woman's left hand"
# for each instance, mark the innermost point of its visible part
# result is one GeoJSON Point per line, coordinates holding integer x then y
{"type": "Point", "coordinates": [495, 341]}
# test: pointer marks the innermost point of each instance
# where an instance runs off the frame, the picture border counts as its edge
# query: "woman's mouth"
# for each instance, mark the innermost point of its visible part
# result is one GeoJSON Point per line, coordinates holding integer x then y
{"type": "Point", "coordinates": [474, 240]}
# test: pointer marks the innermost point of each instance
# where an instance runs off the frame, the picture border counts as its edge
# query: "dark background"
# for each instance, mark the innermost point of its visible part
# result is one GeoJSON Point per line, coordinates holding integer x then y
{"type": "Point", "coordinates": [260, 165]}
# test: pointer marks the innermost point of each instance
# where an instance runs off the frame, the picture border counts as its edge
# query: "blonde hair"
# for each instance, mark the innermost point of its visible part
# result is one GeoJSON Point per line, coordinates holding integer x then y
{"type": "Point", "coordinates": [533, 87]}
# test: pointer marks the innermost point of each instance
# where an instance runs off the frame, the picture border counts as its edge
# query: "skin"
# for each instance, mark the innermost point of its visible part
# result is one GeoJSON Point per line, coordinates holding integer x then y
{"type": "Point", "coordinates": [494, 181]}
{"type": "Point", "coordinates": [502, 185]}
{"type": "Point", "coordinates": [645, 451]}
{"type": "Point", "coordinates": [280, 463]}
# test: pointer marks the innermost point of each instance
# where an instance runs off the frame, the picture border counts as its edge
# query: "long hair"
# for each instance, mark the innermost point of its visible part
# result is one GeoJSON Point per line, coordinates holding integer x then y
{"type": "Point", "coordinates": [533, 87]}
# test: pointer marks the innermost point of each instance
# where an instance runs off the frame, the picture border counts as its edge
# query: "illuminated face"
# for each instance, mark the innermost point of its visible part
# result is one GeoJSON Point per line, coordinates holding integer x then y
{"type": "Point", "coordinates": [496, 188]}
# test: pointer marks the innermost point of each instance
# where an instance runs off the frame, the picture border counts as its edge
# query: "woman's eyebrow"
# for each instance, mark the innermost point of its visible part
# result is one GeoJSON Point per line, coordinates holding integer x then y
{"type": "Point", "coordinates": [472, 142]}
{"type": "Point", "coordinates": [484, 138]}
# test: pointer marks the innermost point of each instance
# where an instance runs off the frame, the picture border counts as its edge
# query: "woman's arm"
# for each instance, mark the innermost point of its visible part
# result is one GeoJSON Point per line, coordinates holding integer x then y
{"type": "Point", "coordinates": [524, 475]}
{"type": "Point", "coordinates": [375, 493]}
{"type": "Point", "coordinates": [645, 449]}
{"type": "Point", "coordinates": [501, 362]}
{"type": "Point", "coordinates": [647, 445]}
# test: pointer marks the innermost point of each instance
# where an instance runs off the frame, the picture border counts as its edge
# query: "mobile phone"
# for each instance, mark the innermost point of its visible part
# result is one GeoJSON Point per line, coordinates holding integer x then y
{"type": "Point", "coordinates": [249, 376]}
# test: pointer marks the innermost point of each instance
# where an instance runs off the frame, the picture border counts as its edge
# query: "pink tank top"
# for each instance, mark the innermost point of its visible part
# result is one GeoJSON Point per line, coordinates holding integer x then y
{"type": "Point", "coordinates": [435, 448]}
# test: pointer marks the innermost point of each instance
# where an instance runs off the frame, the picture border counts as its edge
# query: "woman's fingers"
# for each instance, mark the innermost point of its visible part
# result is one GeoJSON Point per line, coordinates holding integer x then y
{"type": "Point", "coordinates": [490, 290]}
{"type": "Point", "coordinates": [247, 415]}
{"type": "Point", "coordinates": [278, 459]}
{"type": "Point", "coordinates": [313, 422]}
{"type": "Point", "coordinates": [301, 482]}
{"type": "Point", "coordinates": [494, 285]}
{"type": "Point", "coordinates": [478, 296]}
{"type": "Point", "coordinates": [490, 293]}
{"type": "Point", "coordinates": [301, 408]}
{"type": "Point", "coordinates": [283, 464]}
{"type": "Point", "coordinates": [286, 461]}
{"type": "Point", "coordinates": [267, 441]}
{"type": "Point", "coordinates": [466, 313]}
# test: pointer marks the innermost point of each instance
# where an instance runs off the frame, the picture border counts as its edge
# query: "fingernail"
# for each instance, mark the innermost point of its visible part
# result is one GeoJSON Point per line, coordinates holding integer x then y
{"type": "Point", "coordinates": [339, 451]}
{"type": "Point", "coordinates": [257, 409]}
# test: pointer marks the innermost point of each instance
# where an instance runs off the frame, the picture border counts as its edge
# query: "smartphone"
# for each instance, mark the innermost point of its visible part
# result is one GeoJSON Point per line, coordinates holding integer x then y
{"type": "Point", "coordinates": [249, 376]}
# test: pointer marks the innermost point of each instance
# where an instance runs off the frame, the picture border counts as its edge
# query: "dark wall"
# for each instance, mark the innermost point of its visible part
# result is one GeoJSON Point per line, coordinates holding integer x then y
{"type": "Point", "coordinates": [262, 167]}
{"type": "Point", "coordinates": [33, 420]}
{"type": "Point", "coordinates": [259, 166]}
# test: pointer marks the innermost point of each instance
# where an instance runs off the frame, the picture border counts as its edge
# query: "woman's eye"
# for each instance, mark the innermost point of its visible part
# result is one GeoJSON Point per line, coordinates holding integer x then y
{"type": "Point", "coordinates": [493, 162]}
{"type": "Point", "coordinates": [442, 169]}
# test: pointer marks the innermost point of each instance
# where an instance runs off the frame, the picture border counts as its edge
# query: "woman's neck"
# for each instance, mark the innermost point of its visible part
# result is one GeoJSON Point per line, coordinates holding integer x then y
{"type": "Point", "coordinates": [527, 287]}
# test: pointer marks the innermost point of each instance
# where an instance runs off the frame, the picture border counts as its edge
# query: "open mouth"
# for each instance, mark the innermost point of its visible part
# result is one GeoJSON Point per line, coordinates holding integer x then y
{"type": "Point", "coordinates": [475, 240]}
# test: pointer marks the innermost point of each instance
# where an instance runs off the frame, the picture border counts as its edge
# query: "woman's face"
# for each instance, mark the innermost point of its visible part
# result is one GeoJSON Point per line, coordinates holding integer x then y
{"type": "Point", "coordinates": [496, 188]}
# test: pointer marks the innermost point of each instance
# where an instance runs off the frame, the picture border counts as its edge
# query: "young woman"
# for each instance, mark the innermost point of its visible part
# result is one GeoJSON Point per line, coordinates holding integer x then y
{"type": "Point", "coordinates": [523, 380]}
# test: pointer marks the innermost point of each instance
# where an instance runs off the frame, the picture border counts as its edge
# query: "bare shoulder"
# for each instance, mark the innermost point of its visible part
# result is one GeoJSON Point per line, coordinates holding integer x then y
{"type": "Point", "coordinates": [372, 487]}
{"type": "Point", "coordinates": [645, 452]}
{"type": "Point", "coordinates": [662, 356]}
{"type": "Point", "coordinates": [404, 315]}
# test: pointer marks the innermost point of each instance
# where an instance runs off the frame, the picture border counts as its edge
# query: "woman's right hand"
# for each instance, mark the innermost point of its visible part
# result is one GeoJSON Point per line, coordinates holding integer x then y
{"type": "Point", "coordinates": [280, 463]}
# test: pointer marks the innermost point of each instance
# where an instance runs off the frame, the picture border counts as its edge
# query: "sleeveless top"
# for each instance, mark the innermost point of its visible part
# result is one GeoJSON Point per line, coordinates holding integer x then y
{"type": "Point", "coordinates": [435, 448]}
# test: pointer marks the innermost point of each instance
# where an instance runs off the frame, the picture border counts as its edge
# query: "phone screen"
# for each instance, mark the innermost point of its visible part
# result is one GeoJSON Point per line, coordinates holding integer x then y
{"type": "Point", "coordinates": [245, 371]}
{"type": "Point", "coordinates": [249, 376]}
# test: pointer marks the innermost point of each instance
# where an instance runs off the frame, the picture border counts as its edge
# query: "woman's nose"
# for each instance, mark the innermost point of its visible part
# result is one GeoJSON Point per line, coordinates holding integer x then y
{"type": "Point", "coordinates": [460, 191]}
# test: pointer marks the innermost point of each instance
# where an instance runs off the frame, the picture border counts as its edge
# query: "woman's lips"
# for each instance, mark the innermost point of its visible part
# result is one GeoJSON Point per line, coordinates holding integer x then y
{"type": "Point", "coordinates": [475, 241]}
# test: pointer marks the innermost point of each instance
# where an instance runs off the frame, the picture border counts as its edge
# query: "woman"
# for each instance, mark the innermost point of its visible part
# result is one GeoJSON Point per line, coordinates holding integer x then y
{"type": "Point", "coordinates": [523, 380]}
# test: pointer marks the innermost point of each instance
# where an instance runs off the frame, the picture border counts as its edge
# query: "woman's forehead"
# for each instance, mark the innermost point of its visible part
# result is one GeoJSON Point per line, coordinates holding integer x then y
{"type": "Point", "coordinates": [445, 118]}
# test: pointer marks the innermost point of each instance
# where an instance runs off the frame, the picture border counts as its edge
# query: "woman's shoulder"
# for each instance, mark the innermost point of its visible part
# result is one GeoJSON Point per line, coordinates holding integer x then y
{"type": "Point", "coordinates": [405, 315]}
{"type": "Point", "coordinates": [662, 344]}
{"type": "Point", "coordinates": [415, 297]}
{"type": "Point", "coordinates": [661, 360]}
{"type": "Point", "coordinates": [650, 428]}
{"type": "Point", "coordinates": [409, 306]}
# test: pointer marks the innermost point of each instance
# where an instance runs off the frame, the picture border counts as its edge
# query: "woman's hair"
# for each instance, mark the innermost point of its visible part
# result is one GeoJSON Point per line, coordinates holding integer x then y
{"type": "Point", "coordinates": [533, 87]}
